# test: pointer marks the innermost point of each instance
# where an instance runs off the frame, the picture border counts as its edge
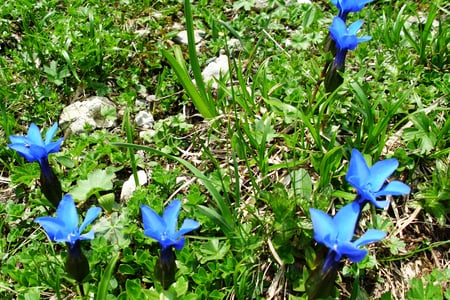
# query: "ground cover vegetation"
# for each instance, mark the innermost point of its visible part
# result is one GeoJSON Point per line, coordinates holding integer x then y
{"type": "Point", "coordinates": [316, 167]}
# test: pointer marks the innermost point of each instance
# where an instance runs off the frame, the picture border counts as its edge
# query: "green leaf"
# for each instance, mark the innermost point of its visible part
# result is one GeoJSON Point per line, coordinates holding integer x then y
{"type": "Point", "coordinates": [205, 107]}
{"type": "Point", "coordinates": [302, 184]}
{"type": "Point", "coordinates": [134, 289]}
{"type": "Point", "coordinates": [112, 229]}
{"type": "Point", "coordinates": [102, 290]}
{"type": "Point", "coordinates": [224, 219]}
{"type": "Point", "coordinates": [213, 250]}
{"type": "Point", "coordinates": [97, 180]}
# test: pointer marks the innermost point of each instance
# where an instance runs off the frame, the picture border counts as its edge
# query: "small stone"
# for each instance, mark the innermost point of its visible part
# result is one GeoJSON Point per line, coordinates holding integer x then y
{"type": "Point", "coordinates": [298, 2]}
{"type": "Point", "coordinates": [216, 69]}
{"type": "Point", "coordinates": [234, 45]}
{"type": "Point", "coordinates": [129, 186]}
{"type": "Point", "coordinates": [144, 119]}
{"type": "Point", "coordinates": [97, 112]}
{"type": "Point", "coordinates": [181, 37]}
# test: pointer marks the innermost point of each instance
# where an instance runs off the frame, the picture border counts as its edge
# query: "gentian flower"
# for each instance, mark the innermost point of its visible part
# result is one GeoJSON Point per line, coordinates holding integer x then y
{"type": "Point", "coordinates": [370, 182]}
{"type": "Point", "coordinates": [346, 6]}
{"type": "Point", "coordinates": [164, 230]}
{"type": "Point", "coordinates": [345, 39]}
{"type": "Point", "coordinates": [33, 148]}
{"type": "Point", "coordinates": [64, 228]}
{"type": "Point", "coordinates": [337, 233]}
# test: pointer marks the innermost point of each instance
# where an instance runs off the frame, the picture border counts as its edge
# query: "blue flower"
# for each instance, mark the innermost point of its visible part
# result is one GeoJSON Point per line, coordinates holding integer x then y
{"type": "Point", "coordinates": [163, 229]}
{"type": "Point", "coordinates": [337, 233]}
{"type": "Point", "coordinates": [32, 147]}
{"type": "Point", "coordinates": [344, 37]}
{"type": "Point", "coordinates": [346, 6]}
{"type": "Point", "coordinates": [64, 227]}
{"type": "Point", "coordinates": [370, 182]}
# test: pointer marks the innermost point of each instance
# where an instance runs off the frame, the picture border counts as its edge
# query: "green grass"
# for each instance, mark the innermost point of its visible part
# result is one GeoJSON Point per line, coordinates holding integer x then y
{"type": "Point", "coordinates": [248, 159]}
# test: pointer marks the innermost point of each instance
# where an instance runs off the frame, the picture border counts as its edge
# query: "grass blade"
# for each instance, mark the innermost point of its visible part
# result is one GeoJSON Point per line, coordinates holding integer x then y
{"type": "Point", "coordinates": [102, 290]}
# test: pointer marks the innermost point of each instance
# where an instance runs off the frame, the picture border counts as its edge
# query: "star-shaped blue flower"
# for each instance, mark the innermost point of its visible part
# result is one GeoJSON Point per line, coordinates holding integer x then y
{"type": "Point", "coordinates": [64, 227]}
{"type": "Point", "coordinates": [337, 233]}
{"type": "Point", "coordinates": [344, 37]}
{"type": "Point", "coordinates": [370, 182]}
{"type": "Point", "coordinates": [346, 6]}
{"type": "Point", "coordinates": [164, 229]}
{"type": "Point", "coordinates": [33, 147]}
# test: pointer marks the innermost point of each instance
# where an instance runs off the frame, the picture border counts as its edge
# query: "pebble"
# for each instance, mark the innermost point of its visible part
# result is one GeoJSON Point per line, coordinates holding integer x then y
{"type": "Point", "coordinates": [96, 111]}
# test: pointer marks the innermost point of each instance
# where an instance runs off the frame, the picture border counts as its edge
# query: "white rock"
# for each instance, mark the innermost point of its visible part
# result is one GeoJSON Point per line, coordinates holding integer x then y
{"type": "Point", "coordinates": [234, 45]}
{"type": "Point", "coordinates": [98, 112]}
{"type": "Point", "coordinates": [144, 119]}
{"type": "Point", "coordinates": [129, 186]}
{"type": "Point", "coordinates": [298, 2]}
{"type": "Point", "coordinates": [215, 69]}
{"type": "Point", "coordinates": [181, 37]}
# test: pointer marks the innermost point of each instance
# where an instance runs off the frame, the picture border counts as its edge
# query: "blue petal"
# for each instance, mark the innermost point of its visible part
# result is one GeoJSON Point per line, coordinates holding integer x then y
{"type": "Point", "coordinates": [325, 231]}
{"type": "Point", "coordinates": [379, 203]}
{"type": "Point", "coordinates": [358, 171]}
{"type": "Point", "coordinates": [38, 152]}
{"type": "Point", "coordinates": [179, 244]}
{"type": "Point", "coordinates": [154, 226]}
{"type": "Point", "coordinates": [380, 171]}
{"type": "Point", "coordinates": [353, 253]}
{"type": "Point", "coordinates": [52, 226]}
{"type": "Point", "coordinates": [394, 188]}
{"type": "Point", "coordinates": [170, 216]}
{"type": "Point", "coordinates": [345, 221]}
{"type": "Point", "coordinates": [337, 29]}
{"type": "Point", "coordinates": [17, 139]}
{"type": "Point", "coordinates": [34, 135]}
{"type": "Point", "coordinates": [354, 27]}
{"type": "Point", "coordinates": [364, 39]}
{"type": "Point", "coordinates": [67, 212]}
{"type": "Point", "coordinates": [91, 214]}
{"type": "Point", "coordinates": [188, 226]}
{"type": "Point", "coordinates": [371, 236]}
{"type": "Point", "coordinates": [51, 133]}
{"type": "Point", "coordinates": [367, 195]}
{"type": "Point", "coordinates": [24, 151]}
{"type": "Point", "coordinates": [87, 236]}
{"type": "Point", "coordinates": [54, 146]}
{"type": "Point", "coordinates": [169, 242]}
